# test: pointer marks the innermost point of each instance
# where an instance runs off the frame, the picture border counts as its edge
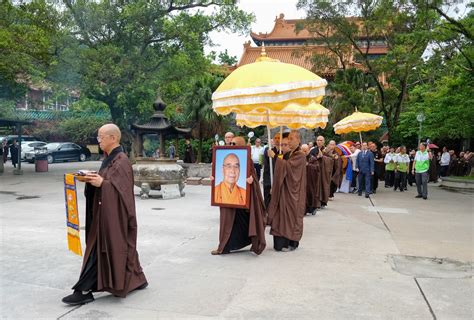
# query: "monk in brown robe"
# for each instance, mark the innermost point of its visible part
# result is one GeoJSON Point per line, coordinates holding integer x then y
{"type": "Point", "coordinates": [313, 181]}
{"type": "Point", "coordinates": [336, 176]}
{"type": "Point", "coordinates": [288, 204]}
{"type": "Point", "coordinates": [111, 260]}
{"type": "Point", "coordinates": [239, 227]}
{"type": "Point", "coordinates": [326, 165]}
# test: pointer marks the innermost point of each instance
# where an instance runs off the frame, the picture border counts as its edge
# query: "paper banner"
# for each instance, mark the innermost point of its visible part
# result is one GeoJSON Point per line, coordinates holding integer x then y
{"type": "Point", "coordinates": [72, 214]}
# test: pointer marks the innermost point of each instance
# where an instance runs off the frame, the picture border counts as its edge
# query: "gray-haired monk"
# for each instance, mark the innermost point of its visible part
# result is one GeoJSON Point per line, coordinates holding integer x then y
{"type": "Point", "coordinates": [111, 259]}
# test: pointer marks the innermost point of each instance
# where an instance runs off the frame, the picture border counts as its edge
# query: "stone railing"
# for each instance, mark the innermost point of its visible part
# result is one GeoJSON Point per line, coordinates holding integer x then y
{"type": "Point", "coordinates": [459, 184]}
{"type": "Point", "coordinates": [197, 173]}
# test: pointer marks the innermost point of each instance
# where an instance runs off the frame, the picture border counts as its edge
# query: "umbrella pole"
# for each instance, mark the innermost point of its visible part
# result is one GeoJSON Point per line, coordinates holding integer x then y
{"type": "Point", "coordinates": [281, 136]}
{"type": "Point", "coordinates": [360, 137]}
{"type": "Point", "coordinates": [269, 159]}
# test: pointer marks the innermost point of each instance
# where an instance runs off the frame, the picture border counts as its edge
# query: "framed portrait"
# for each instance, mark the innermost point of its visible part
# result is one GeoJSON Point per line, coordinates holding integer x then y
{"type": "Point", "coordinates": [230, 169]}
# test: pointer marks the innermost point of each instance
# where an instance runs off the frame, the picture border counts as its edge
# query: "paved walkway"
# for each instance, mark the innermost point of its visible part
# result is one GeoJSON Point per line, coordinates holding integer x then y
{"type": "Point", "coordinates": [387, 257]}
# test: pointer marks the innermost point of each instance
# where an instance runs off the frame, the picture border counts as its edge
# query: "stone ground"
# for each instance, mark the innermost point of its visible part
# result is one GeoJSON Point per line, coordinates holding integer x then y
{"type": "Point", "coordinates": [387, 257]}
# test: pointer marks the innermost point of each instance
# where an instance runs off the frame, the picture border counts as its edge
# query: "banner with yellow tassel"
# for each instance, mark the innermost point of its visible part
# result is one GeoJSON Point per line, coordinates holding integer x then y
{"type": "Point", "coordinates": [72, 214]}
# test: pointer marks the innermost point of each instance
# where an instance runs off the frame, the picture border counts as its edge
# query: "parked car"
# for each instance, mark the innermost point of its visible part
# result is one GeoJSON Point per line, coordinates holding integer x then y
{"type": "Point", "coordinates": [29, 146]}
{"type": "Point", "coordinates": [62, 151]}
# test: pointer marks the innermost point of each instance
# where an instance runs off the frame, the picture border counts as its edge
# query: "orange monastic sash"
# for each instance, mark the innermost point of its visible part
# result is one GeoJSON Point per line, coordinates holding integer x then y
{"type": "Point", "coordinates": [72, 214]}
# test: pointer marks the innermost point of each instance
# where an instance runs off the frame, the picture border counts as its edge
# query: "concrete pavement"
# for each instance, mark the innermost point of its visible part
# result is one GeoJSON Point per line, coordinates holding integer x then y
{"type": "Point", "coordinates": [388, 257]}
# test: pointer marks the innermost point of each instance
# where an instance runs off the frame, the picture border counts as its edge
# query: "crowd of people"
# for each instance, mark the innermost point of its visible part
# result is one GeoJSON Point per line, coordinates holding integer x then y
{"type": "Point", "coordinates": [298, 179]}
{"type": "Point", "coordinates": [307, 176]}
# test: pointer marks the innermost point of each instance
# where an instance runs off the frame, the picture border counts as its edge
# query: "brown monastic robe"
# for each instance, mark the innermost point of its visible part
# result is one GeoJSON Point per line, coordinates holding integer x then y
{"type": "Point", "coordinates": [313, 183]}
{"type": "Point", "coordinates": [257, 220]}
{"type": "Point", "coordinates": [326, 164]}
{"type": "Point", "coordinates": [112, 231]}
{"type": "Point", "coordinates": [287, 206]}
{"type": "Point", "coordinates": [337, 174]}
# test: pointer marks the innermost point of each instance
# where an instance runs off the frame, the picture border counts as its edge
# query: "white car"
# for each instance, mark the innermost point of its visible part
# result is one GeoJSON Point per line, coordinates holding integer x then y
{"type": "Point", "coordinates": [29, 147]}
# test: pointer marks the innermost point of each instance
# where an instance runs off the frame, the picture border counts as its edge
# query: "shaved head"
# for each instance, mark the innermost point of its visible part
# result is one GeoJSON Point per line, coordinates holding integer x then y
{"type": "Point", "coordinates": [111, 129]}
{"type": "Point", "coordinates": [294, 140]}
{"type": "Point", "coordinates": [239, 141]}
{"type": "Point", "coordinates": [320, 141]}
{"type": "Point", "coordinates": [109, 137]}
{"type": "Point", "coordinates": [305, 148]}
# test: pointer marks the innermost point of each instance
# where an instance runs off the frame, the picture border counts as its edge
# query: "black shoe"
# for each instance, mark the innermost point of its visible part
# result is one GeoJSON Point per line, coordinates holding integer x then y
{"type": "Point", "coordinates": [314, 212]}
{"type": "Point", "coordinates": [425, 198]}
{"type": "Point", "coordinates": [395, 189]}
{"type": "Point", "coordinates": [366, 195]}
{"type": "Point", "coordinates": [143, 286]}
{"type": "Point", "coordinates": [401, 190]}
{"type": "Point", "coordinates": [360, 194]}
{"type": "Point", "coordinates": [419, 196]}
{"type": "Point", "coordinates": [77, 298]}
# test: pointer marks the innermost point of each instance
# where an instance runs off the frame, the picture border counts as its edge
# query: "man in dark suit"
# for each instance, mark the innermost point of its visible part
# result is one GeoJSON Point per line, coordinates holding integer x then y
{"type": "Point", "coordinates": [267, 185]}
{"type": "Point", "coordinates": [365, 167]}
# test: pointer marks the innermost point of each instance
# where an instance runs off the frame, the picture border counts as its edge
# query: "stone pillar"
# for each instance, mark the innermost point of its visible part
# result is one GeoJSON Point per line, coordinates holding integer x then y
{"type": "Point", "coordinates": [162, 146]}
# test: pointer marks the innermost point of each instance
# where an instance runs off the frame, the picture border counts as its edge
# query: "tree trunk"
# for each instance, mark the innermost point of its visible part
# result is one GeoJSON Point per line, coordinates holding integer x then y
{"type": "Point", "coordinates": [199, 151]}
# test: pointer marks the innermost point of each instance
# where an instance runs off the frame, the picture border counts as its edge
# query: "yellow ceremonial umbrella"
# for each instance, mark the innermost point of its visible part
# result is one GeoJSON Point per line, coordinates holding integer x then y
{"type": "Point", "coordinates": [294, 116]}
{"type": "Point", "coordinates": [358, 122]}
{"type": "Point", "coordinates": [267, 85]}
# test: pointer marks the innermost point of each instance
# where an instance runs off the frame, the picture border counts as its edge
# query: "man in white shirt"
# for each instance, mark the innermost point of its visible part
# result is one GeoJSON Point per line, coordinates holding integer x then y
{"type": "Point", "coordinates": [444, 162]}
{"type": "Point", "coordinates": [355, 151]}
{"type": "Point", "coordinates": [257, 156]}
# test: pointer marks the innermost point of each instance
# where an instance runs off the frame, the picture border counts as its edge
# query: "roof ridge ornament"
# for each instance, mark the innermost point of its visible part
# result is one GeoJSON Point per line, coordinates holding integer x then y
{"type": "Point", "coordinates": [264, 57]}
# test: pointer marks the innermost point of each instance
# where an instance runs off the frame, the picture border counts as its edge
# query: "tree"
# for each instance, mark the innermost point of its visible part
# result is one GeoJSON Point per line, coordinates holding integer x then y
{"type": "Point", "coordinates": [198, 109]}
{"type": "Point", "coordinates": [403, 26]}
{"type": "Point", "coordinates": [442, 87]}
{"type": "Point", "coordinates": [351, 89]}
{"type": "Point", "coordinates": [447, 104]}
{"type": "Point", "coordinates": [130, 49]}
{"type": "Point", "coordinates": [27, 34]}
{"type": "Point", "coordinates": [225, 58]}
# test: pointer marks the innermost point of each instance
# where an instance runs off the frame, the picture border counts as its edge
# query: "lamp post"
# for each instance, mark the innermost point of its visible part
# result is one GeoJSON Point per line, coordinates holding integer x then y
{"type": "Point", "coordinates": [420, 118]}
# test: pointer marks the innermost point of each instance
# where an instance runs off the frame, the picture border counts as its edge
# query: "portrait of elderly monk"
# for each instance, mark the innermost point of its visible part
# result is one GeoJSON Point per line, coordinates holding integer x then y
{"type": "Point", "coordinates": [228, 192]}
{"type": "Point", "coordinates": [239, 228]}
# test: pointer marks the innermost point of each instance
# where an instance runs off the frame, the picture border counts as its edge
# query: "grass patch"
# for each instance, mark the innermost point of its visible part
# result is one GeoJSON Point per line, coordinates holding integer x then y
{"type": "Point", "coordinates": [463, 178]}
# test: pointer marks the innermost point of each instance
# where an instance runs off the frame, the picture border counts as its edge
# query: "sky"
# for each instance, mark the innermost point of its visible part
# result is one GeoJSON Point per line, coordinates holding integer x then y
{"type": "Point", "coordinates": [265, 13]}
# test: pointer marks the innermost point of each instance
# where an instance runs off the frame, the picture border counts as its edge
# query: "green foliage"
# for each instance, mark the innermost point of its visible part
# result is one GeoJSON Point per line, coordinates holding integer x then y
{"type": "Point", "coordinates": [129, 50]}
{"type": "Point", "coordinates": [351, 89]}
{"type": "Point", "coordinates": [403, 26]}
{"type": "Point", "coordinates": [198, 111]}
{"type": "Point", "coordinates": [81, 131]}
{"type": "Point", "coordinates": [27, 33]}
{"type": "Point", "coordinates": [7, 109]}
{"type": "Point", "coordinates": [225, 58]}
{"type": "Point", "coordinates": [89, 106]}
{"type": "Point", "coordinates": [447, 105]}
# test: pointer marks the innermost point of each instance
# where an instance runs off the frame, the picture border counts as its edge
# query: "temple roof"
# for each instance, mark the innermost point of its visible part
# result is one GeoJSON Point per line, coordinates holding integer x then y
{"type": "Point", "coordinates": [285, 30]}
{"type": "Point", "coordinates": [287, 45]}
{"type": "Point", "coordinates": [159, 123]}
{"type": "Point", "coordinates": [286, 54]}
{"type": "Point", "coordinates": [298, 55]}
